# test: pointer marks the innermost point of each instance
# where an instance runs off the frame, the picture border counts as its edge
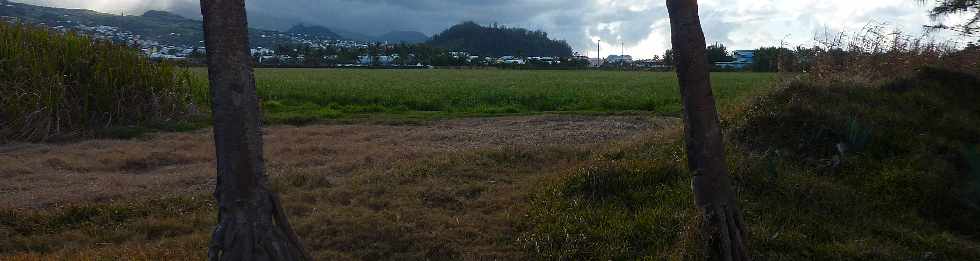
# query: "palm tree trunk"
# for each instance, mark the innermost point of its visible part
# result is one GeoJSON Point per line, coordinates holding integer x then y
{"type": "Point", "coordinates": [723, 226]}
{"type": "Point", "coordinates": [251, 222]}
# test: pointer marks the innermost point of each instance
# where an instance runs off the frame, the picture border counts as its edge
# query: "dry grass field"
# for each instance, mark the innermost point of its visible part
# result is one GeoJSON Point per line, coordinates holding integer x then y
{"type": "Point", "coordinates": [442, 189]}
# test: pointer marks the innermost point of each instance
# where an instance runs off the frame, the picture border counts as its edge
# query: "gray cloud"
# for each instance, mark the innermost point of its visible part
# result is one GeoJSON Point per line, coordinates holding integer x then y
{"type": "Point", "coordinates": [640, 25]}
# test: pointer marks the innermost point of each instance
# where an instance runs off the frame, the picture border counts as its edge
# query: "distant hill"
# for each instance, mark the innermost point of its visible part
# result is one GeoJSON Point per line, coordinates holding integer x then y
{"type": "Point", "coordinates": [409, 37]}
{"type": "Point", "coordinates": [164, 27]}
{"type": "Point", "coordinates": [499, 41]}
{"type": "Point", "coordinates": [356, 36]}
{"type": "Point", "coordinates": [173, 29]}
{"type": "Point", "coordinates": [154, 25]}
{"type": "Point", "coordinates": [314, 31]}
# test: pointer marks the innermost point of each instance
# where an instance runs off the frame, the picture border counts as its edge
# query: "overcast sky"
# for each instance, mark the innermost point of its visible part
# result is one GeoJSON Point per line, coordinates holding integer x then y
{"type": "Point", "coordinates": [641, 25]}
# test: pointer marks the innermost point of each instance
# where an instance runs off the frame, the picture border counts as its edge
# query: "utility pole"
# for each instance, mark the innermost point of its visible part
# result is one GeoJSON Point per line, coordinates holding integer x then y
{"type": "Point", "coordinates": [598, 53]}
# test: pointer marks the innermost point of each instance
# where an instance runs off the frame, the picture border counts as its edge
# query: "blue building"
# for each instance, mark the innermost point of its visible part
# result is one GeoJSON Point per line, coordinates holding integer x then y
{"type": "Point", "coordinates": [743, 59]}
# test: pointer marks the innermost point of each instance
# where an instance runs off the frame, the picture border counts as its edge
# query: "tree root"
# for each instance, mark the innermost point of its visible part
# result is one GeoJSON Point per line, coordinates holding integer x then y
{"type": "Point", "coordinates": [725, 233]}
{"type": "Point", "coordinates": [269, 238]}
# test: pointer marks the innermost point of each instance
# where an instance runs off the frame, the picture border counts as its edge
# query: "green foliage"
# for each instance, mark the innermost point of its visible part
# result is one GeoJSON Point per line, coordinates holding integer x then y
{"type": "Point", "coordinates": [298, 93]}
{"type": "Point", "coordinates": [972, 158]}
{"type": "Point", "coordinates": [769, 59]}
{"type": "Point", "coordinates": [858, 136]}
{"type": "Point", "coordinates": [718, 53]}
{"type": "Point", "coordinates": [499, 41]}
{"type": "Point", "coordinates": [905, 162]}
{"type": "Point", "coordinates": [55, 85]}
{"type": "Point", "coordinates": [612, 210]}
{"type": "Point", "coordinates": [899, 199]}
{"type": "Point", "coordinates": [668, 58]}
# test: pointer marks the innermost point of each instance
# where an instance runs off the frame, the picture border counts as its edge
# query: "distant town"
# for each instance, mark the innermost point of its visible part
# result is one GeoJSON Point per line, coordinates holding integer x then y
{"type": "Point", "coordinates": [292, 49]}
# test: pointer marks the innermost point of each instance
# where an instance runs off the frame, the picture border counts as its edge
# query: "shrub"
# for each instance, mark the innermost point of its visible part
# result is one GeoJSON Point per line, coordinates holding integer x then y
{"type": "Point", "coordinates": [57, 85]}
{"type": "Point", "coordinates": [905, 150]}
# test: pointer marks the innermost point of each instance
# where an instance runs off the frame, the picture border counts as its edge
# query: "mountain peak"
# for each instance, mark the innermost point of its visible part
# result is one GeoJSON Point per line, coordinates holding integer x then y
{"type": "Point", "coordinates": [495, 40]}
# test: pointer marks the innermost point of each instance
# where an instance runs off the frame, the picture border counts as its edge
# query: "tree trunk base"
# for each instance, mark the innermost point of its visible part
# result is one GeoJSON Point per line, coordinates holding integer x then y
{"type": "Point", "coordinates": [241, 239]}
{"type": "Point", "coordinates": [724, 232]}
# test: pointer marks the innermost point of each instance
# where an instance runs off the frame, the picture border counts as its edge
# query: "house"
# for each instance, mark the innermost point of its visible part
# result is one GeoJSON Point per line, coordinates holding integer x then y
{"type": "Point", "coordinates": [743, 59]}
{"type": "Point", "coordinates": [652, 64]}
{"type": "Point", "coordinates": [513, 61]}
{"type": "Point", "coordinates": [262, 52]}
{"type": "Point", "coordinates": [268, 59]}
{"type": "Point", "coordinates": [378, 60]}
{"type": "Point", "coordinates": [161, 56]}
{"type": "Point", "coordinates": [619, 59]}
{"type": "Point", "coordinates": [459, 54]}
{"type": "Point", "coordinates": [545, 60]}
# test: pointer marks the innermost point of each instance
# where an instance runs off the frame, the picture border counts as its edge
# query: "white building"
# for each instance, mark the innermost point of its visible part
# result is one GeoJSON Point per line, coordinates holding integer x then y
{"type": "Point", "coordinates": [619, 59]}
{"type": "Point", "coordinates": [381, 59]}
{"type": "Point", "coordinates": [262, 51]}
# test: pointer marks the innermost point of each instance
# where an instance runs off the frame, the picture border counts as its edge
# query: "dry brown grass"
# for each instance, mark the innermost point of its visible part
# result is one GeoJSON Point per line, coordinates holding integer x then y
{"type": "Point", "coordinates": [442, 190]}
{"type": "Point", "coordinates": [877, 54]}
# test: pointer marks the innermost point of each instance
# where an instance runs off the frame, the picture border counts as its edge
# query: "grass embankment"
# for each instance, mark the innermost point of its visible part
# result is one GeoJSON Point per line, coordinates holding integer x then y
{"type": "Point", "coordinates": [297, 96]}
{"type": "Point", "coordinates": [900, 189]}
{"type": "Point", "coordinates": [56, 85]}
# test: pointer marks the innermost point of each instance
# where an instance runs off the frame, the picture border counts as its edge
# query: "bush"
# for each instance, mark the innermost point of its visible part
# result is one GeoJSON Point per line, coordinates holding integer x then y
{"type": "Point", "coordinates": [905, 139]}
{"type": "Point", "coordinates": [901, 190]}
{"type": "Point", "coordinates": [56, 85]}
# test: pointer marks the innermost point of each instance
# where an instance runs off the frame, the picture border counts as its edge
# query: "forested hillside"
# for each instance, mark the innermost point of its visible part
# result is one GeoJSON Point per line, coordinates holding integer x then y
{"type": "Point", "coordinates": [499, 41]}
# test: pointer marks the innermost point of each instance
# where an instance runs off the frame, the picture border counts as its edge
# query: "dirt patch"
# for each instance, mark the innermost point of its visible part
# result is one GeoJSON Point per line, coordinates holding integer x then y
{"type": "Point", "coordinates": [38, 176]}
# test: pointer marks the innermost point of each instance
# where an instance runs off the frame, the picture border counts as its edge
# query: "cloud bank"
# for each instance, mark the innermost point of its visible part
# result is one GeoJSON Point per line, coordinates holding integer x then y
{"type": "Point", "coordinates": [637, 27]}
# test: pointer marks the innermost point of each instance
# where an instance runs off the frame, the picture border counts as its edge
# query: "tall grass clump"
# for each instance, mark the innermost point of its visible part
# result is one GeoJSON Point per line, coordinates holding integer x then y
{"type": "Point", "coordinates": [55, 85]}
{"type": "Point", "coordinates": [875, 54]}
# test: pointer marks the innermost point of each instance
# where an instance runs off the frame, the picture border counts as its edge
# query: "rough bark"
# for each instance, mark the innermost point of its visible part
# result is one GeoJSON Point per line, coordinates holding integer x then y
{"type": "Point", "coordinates": [251, 222]}
{"type": "Point", "coordinates": [723, 226]}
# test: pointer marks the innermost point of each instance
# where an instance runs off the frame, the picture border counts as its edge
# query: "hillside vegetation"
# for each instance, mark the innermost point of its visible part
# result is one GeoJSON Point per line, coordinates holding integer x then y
{"type": "Point", "coordinates": [499, 41]}
{"type": "Point", "coordinates": [56, 85]}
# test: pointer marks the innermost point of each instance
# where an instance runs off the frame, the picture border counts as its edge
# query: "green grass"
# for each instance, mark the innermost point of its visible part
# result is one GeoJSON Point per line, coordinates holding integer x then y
{"type": "Point", "coordinates": [904, 194]}
{"type": "Point", "coordinates": [305, 95]}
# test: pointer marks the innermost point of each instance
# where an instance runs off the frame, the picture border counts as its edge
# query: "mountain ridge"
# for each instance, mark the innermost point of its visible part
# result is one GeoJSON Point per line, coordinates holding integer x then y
{"type": "Point", "coordinates": [173, 28]}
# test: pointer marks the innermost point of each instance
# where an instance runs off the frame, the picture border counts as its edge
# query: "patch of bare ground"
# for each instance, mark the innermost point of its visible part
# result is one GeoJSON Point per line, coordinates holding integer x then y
{"type": "Point", "coordinates": [441, 190]}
